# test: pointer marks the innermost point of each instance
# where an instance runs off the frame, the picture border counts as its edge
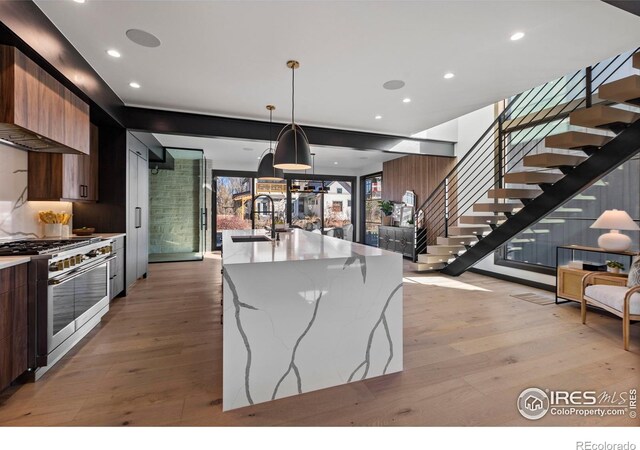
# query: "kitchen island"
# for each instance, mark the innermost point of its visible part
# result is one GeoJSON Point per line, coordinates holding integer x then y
{"type": "Point", "coordinates": [306, 312]}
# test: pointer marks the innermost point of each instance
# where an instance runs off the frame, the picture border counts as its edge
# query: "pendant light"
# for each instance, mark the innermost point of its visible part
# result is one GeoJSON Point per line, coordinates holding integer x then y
{"type": "Point", "coordinates": [266, 171]}
{"type": "Point", "coordinates": [292, 151]}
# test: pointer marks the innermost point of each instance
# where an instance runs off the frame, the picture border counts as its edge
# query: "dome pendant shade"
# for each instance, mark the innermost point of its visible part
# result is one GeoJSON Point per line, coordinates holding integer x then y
{"type": "Point", "coordinates": [292, 151]}
{"type": "Point", "coordinates": [267, 172]}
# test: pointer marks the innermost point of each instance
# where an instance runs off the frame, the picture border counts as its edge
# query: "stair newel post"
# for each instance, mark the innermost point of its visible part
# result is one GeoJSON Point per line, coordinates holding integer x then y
{"type": "Point", "coordinates": [446, 207]}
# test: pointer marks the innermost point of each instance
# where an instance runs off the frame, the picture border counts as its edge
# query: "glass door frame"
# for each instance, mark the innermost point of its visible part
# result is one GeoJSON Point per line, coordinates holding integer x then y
{"type": "Point", "coordinates": [363, 203]}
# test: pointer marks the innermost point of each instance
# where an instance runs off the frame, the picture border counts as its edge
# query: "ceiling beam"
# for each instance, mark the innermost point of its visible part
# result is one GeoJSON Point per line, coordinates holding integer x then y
{"type": "Point", "coordinates": [27, 28]}
{"type": "Point", "coordinates": [200, 125]}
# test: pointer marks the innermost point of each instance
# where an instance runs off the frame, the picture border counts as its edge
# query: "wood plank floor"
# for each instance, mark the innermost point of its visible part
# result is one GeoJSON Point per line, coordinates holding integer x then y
{"type": "Point", "coordinates": [470, 348]}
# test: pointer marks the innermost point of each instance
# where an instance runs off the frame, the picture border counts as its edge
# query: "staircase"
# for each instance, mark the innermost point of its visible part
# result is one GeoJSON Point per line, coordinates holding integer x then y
{"type": "Point", "coordinates": [522, 168]}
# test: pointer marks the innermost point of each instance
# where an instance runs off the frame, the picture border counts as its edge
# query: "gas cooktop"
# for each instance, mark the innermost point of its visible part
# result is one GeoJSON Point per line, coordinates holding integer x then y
{"type": "Point", "coordinates": [42, 246]}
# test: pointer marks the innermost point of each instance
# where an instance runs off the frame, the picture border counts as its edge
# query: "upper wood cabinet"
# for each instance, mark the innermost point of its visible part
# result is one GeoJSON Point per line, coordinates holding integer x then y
{"type": "Point", "coordinates": [54, 176]}
{"type": "Point", "coordinates": [36, 111]}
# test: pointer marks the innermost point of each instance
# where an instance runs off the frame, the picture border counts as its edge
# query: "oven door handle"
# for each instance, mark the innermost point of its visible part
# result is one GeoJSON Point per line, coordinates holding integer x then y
{"type": "Point", "coordinates": [80, 271]}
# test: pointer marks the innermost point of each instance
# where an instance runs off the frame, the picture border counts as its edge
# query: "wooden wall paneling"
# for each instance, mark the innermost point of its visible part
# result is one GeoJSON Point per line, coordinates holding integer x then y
{"type": "Point", "coordinates": [13, 323]}
{"type": "Point", "coordinates": [93, 160]}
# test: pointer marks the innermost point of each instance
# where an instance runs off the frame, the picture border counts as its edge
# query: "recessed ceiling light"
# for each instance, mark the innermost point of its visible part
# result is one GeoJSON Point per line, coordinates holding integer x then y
{"type": "Point", "coordinates": [406, 100]}
{"type": "Point", "coordinates": [378, 117]}
{"type": "Point", "coordinates": [448, 75]}
{"type": "Point", "coordinates": [79, 1]}
{"type": "Point", "coordinates": [258, 157]}
{"type": "Point", "coordinates": [517, 36]}
{"type": "Point", "coordinates": [247, 149]}
{"type": "Point", "coordinates": [363, 157]}
{"type": "Point", "coordinates": [392, 85]}
{"type": "Point", "coordinates": [335, 162]}
{"type": "Point", "coordinates": [113, 52]}
{"type": "Point", "coordinates": [143, 38]}
{"type": "Point", "coordinates": [134, 85]}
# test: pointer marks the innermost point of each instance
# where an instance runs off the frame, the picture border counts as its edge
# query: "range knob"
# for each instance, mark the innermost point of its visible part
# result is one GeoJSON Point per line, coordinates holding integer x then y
{"type": "Point", "coordinates": [92, 253]}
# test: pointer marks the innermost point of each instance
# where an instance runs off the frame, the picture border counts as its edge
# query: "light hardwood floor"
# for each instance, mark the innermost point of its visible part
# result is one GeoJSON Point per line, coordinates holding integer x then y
{"type": "Point", "coordinates": [469, 350]}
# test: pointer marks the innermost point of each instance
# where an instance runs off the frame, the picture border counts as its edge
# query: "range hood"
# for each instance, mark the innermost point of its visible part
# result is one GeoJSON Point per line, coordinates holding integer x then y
{"type": "Point", "coordinates": [37, 113]}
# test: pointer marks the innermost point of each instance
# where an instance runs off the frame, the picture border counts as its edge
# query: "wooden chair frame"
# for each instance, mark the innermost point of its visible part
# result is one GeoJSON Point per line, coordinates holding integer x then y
{"type": "Point", "coordinates": [595, 278]}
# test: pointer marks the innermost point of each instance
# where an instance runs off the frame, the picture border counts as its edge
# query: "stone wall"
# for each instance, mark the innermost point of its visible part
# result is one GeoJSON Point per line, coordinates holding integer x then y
{"type": "Point", "coordinates": [174, 207]}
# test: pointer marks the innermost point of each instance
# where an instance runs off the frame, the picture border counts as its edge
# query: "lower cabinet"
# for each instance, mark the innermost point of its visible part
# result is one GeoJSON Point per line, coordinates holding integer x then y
{"type": "Point", "coordinates": [397, 239]}
{"type": "Point", "coordinates": [116, 273]}
{"type": "Point", "coordinates": [13, 323]}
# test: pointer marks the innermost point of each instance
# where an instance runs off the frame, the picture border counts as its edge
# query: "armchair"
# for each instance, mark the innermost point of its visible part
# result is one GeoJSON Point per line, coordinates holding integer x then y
{"type": "Point", "coordinates": [610, 292]}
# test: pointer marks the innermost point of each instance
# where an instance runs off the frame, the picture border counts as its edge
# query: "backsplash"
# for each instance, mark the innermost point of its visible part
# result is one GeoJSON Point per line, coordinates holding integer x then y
{"type": "Point", "coordinates": [18, 217]}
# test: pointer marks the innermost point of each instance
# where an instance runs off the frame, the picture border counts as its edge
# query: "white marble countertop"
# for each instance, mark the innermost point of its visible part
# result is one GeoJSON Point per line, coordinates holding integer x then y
{"type": "Point", "coordinates": [9, 261]}
{"type": "Point", "coordinates": [294, 245]}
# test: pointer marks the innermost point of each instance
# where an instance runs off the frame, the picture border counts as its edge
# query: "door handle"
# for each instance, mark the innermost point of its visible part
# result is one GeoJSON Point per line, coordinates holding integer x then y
{"type": "Point", "coordinates": [203, 218]}
{"type": "Point", "coordinates": [138, 217]}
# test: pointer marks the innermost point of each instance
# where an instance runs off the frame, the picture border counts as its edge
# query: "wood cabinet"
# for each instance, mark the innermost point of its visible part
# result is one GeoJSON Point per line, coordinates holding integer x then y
{"type": "Point", "coordinates": [54, 176]}
{"type": "Point", "coordinates": [13, 323]}
{"type": "Point", "coordinates": [397, 239]}
{"type": "Point", "coordinates": [36, 111]}
{"type": "Point", "coordinates": [569, 282]}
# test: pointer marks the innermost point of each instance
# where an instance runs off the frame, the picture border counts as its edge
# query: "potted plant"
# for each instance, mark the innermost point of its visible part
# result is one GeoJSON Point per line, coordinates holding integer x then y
{"type": "Point", "coordinates": [386, 207]}
{"type": "Point", "coordinates": [614, 266]}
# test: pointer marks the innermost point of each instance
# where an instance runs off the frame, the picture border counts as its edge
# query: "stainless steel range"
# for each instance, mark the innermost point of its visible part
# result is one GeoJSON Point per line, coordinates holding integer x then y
{"type": "Point", "coordinates": [68, 293]}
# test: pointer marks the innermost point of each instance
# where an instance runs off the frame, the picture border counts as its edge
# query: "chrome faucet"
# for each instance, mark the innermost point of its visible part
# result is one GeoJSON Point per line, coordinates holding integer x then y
{"type": "Point", "coordinates": [273, 212]}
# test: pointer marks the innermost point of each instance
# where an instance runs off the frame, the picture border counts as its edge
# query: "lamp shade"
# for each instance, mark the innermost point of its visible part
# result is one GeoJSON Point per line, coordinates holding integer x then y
{"type": "Point", "coordinates": [266, 171]}
{"type": "Point", "coordinates": [292, 151]}
{"type": "Point", "coordinates": [614, 219]}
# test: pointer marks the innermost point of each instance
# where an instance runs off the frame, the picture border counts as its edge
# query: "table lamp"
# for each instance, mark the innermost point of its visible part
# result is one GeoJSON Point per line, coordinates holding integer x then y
{"type": "Point", "coordinates": [615, 220]}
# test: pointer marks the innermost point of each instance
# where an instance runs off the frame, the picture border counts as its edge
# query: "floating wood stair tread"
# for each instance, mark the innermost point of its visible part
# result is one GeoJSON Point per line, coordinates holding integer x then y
{"type": "Point", "coordinates": [457, 240]}
{"type": "Point", "coordinates": [576, 140]}
{"type": "Point", "coordinates": [624, 90]}
{"type": "Point", "coordinates": [514, 193]}
{"type": "Point", "coordinates": [601, 116]}
{"type": "Point", "coordinates": [553, 160]}
{"type": "Point", "coordinates": [636, 61]}
{"type": "Point", "coordinates": [482, 219]}
{"type": "Point", "coordinates": [496, 207]}
{"type": "Point", "coordinates": [421, 267]}
{"type": "Point", "coordinates": [532, 177]}
{"type": "Point", "coordinates": [451, 250]}
{"type": "Point", "coordinates": [477, 230]}
{"type": "Point", "coordinates": [433, 259]}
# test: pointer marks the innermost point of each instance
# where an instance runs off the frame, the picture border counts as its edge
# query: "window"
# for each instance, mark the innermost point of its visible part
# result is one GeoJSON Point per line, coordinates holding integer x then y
{"type": "Point", "coordinates": [569, 224]}
{"type": "Point", "coordinates": [339, 190]}
{"type": "Point", "coordinates": [372, 193]}
{"type": "Point", "coordinates": [337, 206]}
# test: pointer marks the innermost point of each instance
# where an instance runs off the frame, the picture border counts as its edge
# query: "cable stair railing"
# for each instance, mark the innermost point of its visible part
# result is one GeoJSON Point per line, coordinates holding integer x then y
{"type": "Point", "coordinates": [455, 229]}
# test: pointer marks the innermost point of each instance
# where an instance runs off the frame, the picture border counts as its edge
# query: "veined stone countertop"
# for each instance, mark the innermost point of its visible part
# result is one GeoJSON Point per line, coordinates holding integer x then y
{"type": "Point", "coordinates": [294, 245]}
{"type": "Point", "coordinates": [326, 312]}
{"type": "Point", "coordinates": [9, 261]}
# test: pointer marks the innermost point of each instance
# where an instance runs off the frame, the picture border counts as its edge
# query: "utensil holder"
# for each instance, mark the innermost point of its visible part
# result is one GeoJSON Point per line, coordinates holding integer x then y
{"type": "Point", "coordinates": [53, 230]}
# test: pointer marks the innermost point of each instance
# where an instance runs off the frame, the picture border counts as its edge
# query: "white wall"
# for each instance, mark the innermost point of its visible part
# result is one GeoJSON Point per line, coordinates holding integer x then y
{"type": "Point", "coordinates": [18, 217]}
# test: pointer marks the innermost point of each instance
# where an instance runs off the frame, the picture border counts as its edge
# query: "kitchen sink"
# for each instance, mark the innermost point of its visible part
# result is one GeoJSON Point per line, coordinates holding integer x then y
{"type": "Point", "coordinates": [252, 238]}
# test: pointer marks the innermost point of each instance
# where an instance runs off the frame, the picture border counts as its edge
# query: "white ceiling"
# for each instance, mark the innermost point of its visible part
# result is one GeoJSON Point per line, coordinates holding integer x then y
{"type": "Point", "coordinates": [232, 154]}
{"type": "Point", "coordinates": [228, 57]}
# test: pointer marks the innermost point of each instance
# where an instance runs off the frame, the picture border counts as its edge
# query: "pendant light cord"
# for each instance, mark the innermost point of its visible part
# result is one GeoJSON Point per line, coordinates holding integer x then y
{"type": "Point", "coordinates": [293, 96]}
{"type": "Point", "coordinates": [270, 127]}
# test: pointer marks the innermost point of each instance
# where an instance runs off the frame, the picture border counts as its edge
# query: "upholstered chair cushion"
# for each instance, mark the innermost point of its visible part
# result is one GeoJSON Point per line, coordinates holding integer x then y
{"type": "Point", "coordinates": [634, 273]}
{"type": "Point", "coordinates": [613, 296]}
